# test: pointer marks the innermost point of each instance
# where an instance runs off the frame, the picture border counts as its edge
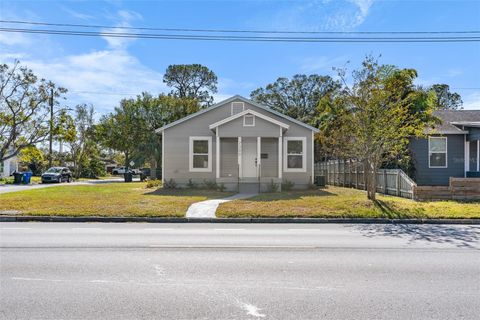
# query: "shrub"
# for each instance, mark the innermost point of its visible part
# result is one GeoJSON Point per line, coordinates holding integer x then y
{"type": "Point", "coordinates": [154, 183]}
{"type": "Point", "coordinates": [287, 185]}
{"type": "Point", "coordinates": [272, 186]}
{"type": "Point", "coordinates": [191, 184]}
{"type": "Point", "coordinates": [210, 184]}
{"type": "Point", "coordinates": [221, 187]}
{"type": "Point", "coordinates": [170, 184]}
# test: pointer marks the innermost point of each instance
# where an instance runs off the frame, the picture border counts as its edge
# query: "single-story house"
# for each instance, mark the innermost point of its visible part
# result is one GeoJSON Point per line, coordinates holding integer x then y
{"type": "Point", "coordinates": [9, 166]}
{"type": "Point", "coordinates": [239, 143]}
{"type": "Point", "coordinates": [452, 149]}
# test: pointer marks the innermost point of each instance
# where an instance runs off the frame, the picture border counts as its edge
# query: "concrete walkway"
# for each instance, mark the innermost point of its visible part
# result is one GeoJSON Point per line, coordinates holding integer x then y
{"type": "Point", "coordinates": [7, 188]}
{"type": "Point", "coordinates": [207, 208]}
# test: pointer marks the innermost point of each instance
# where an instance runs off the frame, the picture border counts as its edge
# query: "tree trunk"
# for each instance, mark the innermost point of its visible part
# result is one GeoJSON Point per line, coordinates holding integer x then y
{"type": "Point", "coordinates": [371, 180]}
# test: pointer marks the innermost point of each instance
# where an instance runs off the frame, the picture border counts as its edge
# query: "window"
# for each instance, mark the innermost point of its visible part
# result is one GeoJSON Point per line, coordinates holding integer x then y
{"type": "Point", "coordinates": [437, 152]}
{"type": "Point", "coordinates": [237, 107]}
{"type": "Point", "coordinates": [295, 154]}
{"type": "Point", "coordinates": [200, 154]}
{"type": "Point", "coordinates": [249, 120]}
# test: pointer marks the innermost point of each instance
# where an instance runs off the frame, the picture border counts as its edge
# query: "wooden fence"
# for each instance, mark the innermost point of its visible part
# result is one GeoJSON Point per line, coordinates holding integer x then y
{"type": "Point", "coordinates": [352, 174]}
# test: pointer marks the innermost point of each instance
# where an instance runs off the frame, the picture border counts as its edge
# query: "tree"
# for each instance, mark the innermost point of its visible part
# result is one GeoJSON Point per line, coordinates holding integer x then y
{"type": "Point", "coordinates": [33, 158]}
{"type": "Point", "coordinates": [191, 81]}
{"type": "Point", "coordinates": [385, 112]}
{"type": "Point", "coordinates": [298, 97]}
{"type": "Point", "coordinates": [83, 145]}
{"type": "Point", "coordinates": [447, 100]}
{"type": "Point", "coordinates": [24, 112]}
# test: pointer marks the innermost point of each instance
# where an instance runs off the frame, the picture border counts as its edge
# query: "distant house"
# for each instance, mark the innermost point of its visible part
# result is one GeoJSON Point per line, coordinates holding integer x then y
{"type": "Point", "coordinates": [452, 149]}
{"type": "Point", "coordinates": [239, 143]}
{"type": "Point", "coordinates": [8, 166]}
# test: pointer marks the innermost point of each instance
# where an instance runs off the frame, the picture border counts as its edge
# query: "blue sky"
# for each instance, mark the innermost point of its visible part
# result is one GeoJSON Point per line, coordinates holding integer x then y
{"type": "Point", "coordinates": [103, 70]}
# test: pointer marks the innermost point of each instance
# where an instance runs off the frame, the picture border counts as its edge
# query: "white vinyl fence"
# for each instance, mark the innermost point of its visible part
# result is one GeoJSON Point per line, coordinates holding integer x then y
{"type": "Point", "coordinates": [352, 174]}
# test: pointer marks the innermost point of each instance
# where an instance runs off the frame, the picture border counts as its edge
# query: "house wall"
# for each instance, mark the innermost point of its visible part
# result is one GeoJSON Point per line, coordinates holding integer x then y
{"type": "Point", "coordinates": [473, 155]}
{"type": "Point", "coordinates": [8, 167]}
{"type": "Point", "coordinates": [176, 145]}
{"type": "Point", "coordinates": [229, 157]}
{"type": "Point", "coordinates": [262, 128]}
{"type": "Point", "coordinates": [425, 176]}
{"type": "Point", "coordinates": [269, 166]}
{"type": "Point", "coordinates": [474, 134]}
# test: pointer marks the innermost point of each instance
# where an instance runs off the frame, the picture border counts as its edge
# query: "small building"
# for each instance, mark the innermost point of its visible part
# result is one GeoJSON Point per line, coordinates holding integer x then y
{"type": "Point", "coordinates": [239, 143]}
{"type": "Point", "coordinates": [9, 166]}
{"type": "Point", "coordinates": [452, 149]}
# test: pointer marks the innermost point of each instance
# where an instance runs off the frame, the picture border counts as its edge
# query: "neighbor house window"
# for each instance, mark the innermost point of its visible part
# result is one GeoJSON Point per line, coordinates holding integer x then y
{"type": "Point", "coordinates": [295, 154]}
{"type": "Point", "coordinates": [200, 154]}
{"type": "Point", "coordinates": [237, 107]}
{"type": "Point", "coordinates": [437, 152]}
{"type": "Point", "coordinates": [249, 120]}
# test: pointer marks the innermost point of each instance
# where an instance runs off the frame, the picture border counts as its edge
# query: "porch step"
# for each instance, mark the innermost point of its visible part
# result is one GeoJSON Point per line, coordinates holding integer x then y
{"type": "Point", "coordinates": [248, 188]}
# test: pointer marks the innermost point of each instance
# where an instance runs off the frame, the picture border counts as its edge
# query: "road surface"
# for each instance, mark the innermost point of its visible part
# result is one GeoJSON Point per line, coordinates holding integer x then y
{"type": "Point", "coordinates": [238, 271]}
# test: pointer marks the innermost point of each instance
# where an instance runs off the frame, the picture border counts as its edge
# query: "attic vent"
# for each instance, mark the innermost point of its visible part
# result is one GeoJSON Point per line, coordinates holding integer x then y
{"type": "Point", "coordinates": [237, 107]}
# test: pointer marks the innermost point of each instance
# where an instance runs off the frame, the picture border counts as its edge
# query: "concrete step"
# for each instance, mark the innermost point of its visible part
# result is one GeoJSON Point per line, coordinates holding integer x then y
{"type": "Point", "coordinates": [248, 188]}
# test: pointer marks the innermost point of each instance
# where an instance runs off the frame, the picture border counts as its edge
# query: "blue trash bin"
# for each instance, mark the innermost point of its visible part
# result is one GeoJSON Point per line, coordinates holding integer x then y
{"type": "Point", "coordinates": [26, 177]}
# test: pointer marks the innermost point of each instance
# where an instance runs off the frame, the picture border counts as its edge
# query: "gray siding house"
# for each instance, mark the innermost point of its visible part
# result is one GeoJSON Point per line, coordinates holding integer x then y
{"type": "Point", "coordinates": [451, 149]}
{"type": "Point", "coordinates": [239, 143]}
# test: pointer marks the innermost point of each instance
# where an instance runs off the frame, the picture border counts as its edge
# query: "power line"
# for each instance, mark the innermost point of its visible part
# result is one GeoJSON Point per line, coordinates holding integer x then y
{"type": "Point", "coordinates": [232, 30]}
{"type": "Point", "coordinates": [241, 38]}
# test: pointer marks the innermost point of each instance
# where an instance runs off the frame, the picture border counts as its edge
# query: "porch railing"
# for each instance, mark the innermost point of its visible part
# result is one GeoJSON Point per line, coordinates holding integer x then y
{"type": "Point", "coordinates": [352, 174]}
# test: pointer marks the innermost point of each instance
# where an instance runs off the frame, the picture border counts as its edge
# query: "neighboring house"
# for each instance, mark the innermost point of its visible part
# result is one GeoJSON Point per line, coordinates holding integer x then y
{"type": "Point", "coordinates": [8, 166]}
{"type": "Point", "coordinates": [451, 149]}
{"type": "Point", "coordinates": [239, 143]}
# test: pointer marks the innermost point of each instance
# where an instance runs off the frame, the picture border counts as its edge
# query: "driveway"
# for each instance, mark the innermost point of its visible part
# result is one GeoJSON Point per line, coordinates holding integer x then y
{"type": "Point", "coordinates": [7, 188]}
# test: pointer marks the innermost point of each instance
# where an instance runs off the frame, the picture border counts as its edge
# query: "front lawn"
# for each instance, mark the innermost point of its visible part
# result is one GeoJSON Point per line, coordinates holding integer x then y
{"type": "Point", "coordinates": [110, 199]}
{"type": "Point", "coordinates": [336, 202]}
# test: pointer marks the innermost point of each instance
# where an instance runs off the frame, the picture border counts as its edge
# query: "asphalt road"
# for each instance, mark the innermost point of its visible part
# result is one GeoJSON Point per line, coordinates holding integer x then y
{"type": "Point", "coordinates": [236, 271]}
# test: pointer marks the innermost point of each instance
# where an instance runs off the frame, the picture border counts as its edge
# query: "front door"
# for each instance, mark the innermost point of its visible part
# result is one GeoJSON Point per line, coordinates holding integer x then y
{"type": "Point", "coordinates": [249, 157]}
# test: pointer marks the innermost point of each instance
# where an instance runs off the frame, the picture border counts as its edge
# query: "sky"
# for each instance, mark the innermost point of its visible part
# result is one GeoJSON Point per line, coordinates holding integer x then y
{"type": "Point", "coordinates": [101, 71]}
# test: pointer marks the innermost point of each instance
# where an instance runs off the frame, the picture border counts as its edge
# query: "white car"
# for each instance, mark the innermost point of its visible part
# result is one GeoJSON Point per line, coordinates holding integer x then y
{"type": "Point", "coordinates": [121, 170]}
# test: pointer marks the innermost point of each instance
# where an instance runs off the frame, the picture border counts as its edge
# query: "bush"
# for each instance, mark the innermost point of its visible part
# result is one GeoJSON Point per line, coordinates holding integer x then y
{"type": "Point", "coordinates": [154, 183]}
{"type": "Point", "coordinates": [210, 184]}
{"type": "Point", "coordinates": [221, 187]}
{"type": "Point", "coordinates": [191, 184]}
{"type": "Point", "coordinates": [272, 186]}
{"type": "Point", "coordinates": [170, 184]}
{"type": "Point", "coordinates": [287, 185]}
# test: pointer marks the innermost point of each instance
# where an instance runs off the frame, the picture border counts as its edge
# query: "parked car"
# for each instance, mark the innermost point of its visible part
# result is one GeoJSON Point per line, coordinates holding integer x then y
{"type": "Point", "coordinates": [121, 170]}
{"type": "Point", "coordinates": [57, 174]}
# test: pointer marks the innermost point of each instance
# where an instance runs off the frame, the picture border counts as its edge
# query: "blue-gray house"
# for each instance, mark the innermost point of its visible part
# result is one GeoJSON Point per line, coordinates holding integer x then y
{"type": "Point", "coordinates": [452, 149]}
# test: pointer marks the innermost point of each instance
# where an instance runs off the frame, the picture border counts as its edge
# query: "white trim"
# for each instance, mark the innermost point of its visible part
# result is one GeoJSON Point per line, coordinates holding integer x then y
{"type": "Point", "coordinates": [236, 102]}
{"type": "Point", "coordinates": [217, 156]}
{"type": "Point", "coordinates": [259, 156]}
{"type": "Point", "coordinates": [446, 153]}
{"type": "Point", "coordinates": [248, 111]}
{"type": "Point", "coordinates": [280, 155]}
{"type": "Point", "coordinates": [466, 147]}
{"type": "Point", "coordinates": [240, 174]}
{"type": "Point", "coordinates": [478, 155]}
{"type": "Point", "coordinates": [163, 157]}
{"type": "Point", "coordinates": [253, 122]}
{"type": "Point", "coordinates": [304, 154]}
{"type": "Point", "coordinates": [237, 97]}
{"type": "Point", "coordinates": [313, 159]}
{"type": "Point", "coordinates": [190, 153]}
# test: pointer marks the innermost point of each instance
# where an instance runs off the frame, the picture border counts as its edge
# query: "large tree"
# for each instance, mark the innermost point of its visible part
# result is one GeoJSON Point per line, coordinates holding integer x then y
{"type": "Point", "coordinates": [385, 112]}
{"type": "Point", "coordinates": [297, 97]}
{"type": "Point", "coordinates": [24, 112]}
{"type": "Point", "coordinates": [191, 81]}
{"type": "Point", "coordinates": [84, 144]}
{"type": "Point", "coordinates": [446, 100]}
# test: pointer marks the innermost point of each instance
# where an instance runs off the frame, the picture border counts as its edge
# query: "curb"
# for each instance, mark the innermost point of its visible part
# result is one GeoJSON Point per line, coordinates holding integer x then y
{"type": "Point", "coordinates": [234, 220]}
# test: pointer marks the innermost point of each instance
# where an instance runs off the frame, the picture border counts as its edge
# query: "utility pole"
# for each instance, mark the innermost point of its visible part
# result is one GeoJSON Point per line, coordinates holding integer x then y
{"type": "Point", "coordinates": [50, 155]}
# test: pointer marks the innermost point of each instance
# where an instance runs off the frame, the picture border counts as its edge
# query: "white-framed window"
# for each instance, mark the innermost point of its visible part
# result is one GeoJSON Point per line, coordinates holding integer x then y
{"type": "Point", "coordinates": [249, 120]}
{"type": "Point", "coordinates": [437, 152]}
{"type": "Point", "coordinates": [295, 154]}
{"type": "Point", "coordinates": [200, 154]}
{"type": "Point", "coordinates": [237, 107]}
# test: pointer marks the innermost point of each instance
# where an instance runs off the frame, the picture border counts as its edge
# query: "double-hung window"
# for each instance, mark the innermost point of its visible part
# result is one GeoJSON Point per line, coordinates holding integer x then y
{"type": "Point", "coordinates": [437, 152]}
{"type": "Point", "coordinates": [295, 159]}
{"type": "Point", "coordinates": [200, 154]}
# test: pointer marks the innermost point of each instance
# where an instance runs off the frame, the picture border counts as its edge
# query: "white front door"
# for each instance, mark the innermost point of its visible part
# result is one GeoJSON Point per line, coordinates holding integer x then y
{"type": "Point", "coordinates": [249, 157]}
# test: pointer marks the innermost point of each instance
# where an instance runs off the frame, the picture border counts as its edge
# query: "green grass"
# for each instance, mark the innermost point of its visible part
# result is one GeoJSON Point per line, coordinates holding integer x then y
{"type": "Point", "coordinates": [335, 202]}
{"type": "Point", "coordinates": [112, 199]}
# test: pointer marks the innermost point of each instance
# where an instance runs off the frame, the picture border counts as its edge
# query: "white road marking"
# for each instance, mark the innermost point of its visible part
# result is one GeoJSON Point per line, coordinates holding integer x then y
{"type": "Point", "coordinates": [227, 229]}
{"type": "Point", "coordinates": [253, 310]}
{"type": "Point", "coordinates": [158, 229]}
{"type": "Point", "coordinates": [87, 228]}
{"type": "Point", "coordinates": [228, 247]}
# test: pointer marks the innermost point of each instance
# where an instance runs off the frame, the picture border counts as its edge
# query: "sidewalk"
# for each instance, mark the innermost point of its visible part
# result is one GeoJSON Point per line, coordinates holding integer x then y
{"type": "Point", "coordinates": [207, 208]}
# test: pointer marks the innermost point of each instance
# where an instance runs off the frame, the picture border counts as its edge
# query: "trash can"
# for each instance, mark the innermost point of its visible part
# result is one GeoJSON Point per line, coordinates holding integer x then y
{"type": "Point", "coordinates": [17, 177]}
{"type": "Point", "coordinates": [26, 177]}
{"type": "Point", "coordinates": [127, 176]}
{"type": "Point", "coordinates": [320, 181]}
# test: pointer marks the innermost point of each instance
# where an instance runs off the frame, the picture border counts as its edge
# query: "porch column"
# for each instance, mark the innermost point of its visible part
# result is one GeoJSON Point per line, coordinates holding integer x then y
{"type": "Point", "coordinates": [217, 154]}
{"type": "Point", "coordinates": [240, 157]}
{"type": "Point", "coordinates": [280, 154]}
{"type": "Point", "coordinates": [259, 156]}
{"type": "Point", "coordinates": [478, 155]}
{"type": "Point", "coordinates": [467, 155]}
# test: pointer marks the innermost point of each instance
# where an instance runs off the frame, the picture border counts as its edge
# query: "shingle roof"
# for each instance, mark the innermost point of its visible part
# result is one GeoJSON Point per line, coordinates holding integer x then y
{"type": "Point", "coordinates": [458, 117]}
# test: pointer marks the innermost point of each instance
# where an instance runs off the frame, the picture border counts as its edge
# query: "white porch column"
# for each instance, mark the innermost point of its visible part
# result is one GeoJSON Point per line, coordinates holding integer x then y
{"type": "Point", "coordinates": [217, 154]}
{"type": "Point", "coordinates": [467, 155]}
{"type": "Point", "coordinates": [280, 154]}
{"type": "Point", "coordinates": [240, 175]}
{"type": "Point", "coordinates": [478, 155]}
{"type": "Point", "coordinates": [163, 156]}
{"type": "Point", "coordinates": [259, 156]}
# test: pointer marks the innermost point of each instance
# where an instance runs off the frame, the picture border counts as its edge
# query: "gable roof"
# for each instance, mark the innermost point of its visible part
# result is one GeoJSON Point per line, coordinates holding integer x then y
{"type": "Point", "coordinates": [249, 111]}
{"type": "Point", "coordinates": [236, 97]}
{"type": "Point", "coordinates": [454, 120]}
